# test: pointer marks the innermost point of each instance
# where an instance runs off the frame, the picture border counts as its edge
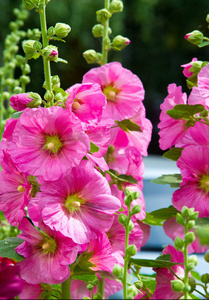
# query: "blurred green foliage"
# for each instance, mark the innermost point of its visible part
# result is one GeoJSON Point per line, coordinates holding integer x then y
{"type": "Point", "coordinates": [156, 29]}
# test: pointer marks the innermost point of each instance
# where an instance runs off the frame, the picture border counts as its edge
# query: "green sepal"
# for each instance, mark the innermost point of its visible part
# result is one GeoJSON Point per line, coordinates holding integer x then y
{"type": "Point", "coordinates": [16, 115]}
{"type": "Point", "coordinates": [61, 60]}
{"type": "Point", "coordinates": [173, 179]}
{"type": "Point", "coordinates": [57, 39]}
{"type": "Point", "coordinates": [7, 248]}
{"type": "Point", "coordinates": [174, 153]}
{"type": "Point", "coordinates": [127, 125]}
{"type": "Point", "coordinates": [203, 44]}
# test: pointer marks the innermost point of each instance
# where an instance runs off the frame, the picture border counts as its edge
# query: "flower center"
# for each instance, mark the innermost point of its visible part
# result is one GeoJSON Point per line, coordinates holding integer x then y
{"type": "Point", "coordinates": [110, 92]}
{"type": "Point", "coordinates": [73, 203]}
{"type": "Point", "coordinates": [48, 245]}
{"type": "Point", "coordinates": [53, 143]}
{"type": "Point", "coordinates": [76, 103]}
{"type": "Point", "coordinates": [204, 183]}
{"type": "Point", "coordinates": [21, 189]}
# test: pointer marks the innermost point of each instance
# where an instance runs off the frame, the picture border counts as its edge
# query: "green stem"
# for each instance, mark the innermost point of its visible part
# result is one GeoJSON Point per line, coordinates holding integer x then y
{"type": "Point", "coordinates": [66, 288]}
{"type": "Point", "coordinates": [1, 106]}
{"type": "Point", "coordinates": [126, 258]}
{"type": "Point", "coordinates": [47, 70]}
{"type": "Point", "coordinates": [105, 36]}
{"type": "Point", "coordinates": [100, 287]}
{"type": "Point", "coordinates": [186, 277]}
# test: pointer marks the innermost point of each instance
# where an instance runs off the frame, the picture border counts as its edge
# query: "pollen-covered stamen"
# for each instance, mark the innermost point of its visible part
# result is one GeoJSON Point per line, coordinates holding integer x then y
{"type": "Point", "coordinates": [76, 105]}
{"type": "Point", "coordinates": [53, 143]}
{"type": "Point", "coordinates": [110, 92]}
{"type": "Point", "coordinates": [21, 189]}
{"type": "Point", "coordinates": [48, 245]}
{"type": "Point", "coordinates": [50, 146]}
{"type": "Point", "coordinates": [73, 203]}
{"type": "Point", "coordinates": [204, 182]}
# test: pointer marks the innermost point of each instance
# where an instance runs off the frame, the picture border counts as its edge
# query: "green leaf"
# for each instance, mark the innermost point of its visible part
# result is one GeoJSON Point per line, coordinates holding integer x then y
{"type": "Point", "coordinates": [157, 217]}
{"type": "Point", "coordinates": [127, 178]}
{"type": "Point", "coordinates": [203, 234]}
{"type": "Point", "coordinates": [61, 60]}
{"type": "Point", "coordinates": [173, 154]}
{"type": "Point", "coordinates": [7, 248]}
{"type": "Point", "coordinates": [149, 282]}
{"type": "Point", "coordinates": [150, 220]}
{"type": "Point", "coordinates": [2, 217]}
{"type": "Point", "coordinates": [203, 44]}
{"type": "Point", "coordinates": [127, 125]}
{"type": "Point", "coordinates": [60, 90]}
{"type": "Point", "coordinates": [151, 263]}
{"type": "Point", "coordinates": [166, 257]}
{"type": "Point", "coordinates": [202, 222]}
{"type": "Point", "coordinates": [93, 148]}
{"type": "Point", "coordinates": [17, 114]}
{"type": "Point", "coordinates": [195, 275]}
{"type": "Point", "coordinates": [184, 111]}
{"type": "Point", "coordinates": [173, 179]}
{"type": "Point", "coordinates": [85, 277]}
{"type": "Point", "coordinates": [193, 296]}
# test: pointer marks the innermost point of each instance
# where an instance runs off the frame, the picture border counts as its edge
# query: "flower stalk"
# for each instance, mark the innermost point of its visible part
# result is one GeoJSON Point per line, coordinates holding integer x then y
{"type": "Point", "coordinates": [105, 36]}
{"type": "Point", "coordinates": [66, 288]}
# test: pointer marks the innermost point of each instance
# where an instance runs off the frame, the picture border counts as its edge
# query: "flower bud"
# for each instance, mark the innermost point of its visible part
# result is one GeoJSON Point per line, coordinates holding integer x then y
{"type": "Point", "coordinates": [191, 224]}
{"type": "Point", "coordinates": [103, 15]}
{"type": "Point", "coordinates": [49, 96]}
{"type": "Point", "coordinates": [187, 288]}
{"type": "Point", "coordinates": [28, 47]}
{"type": "Point", "coordinates": [30, 4]}
{"type": "Point", "coordinates": [26, 68]}
{"type": "Point", "coordinates": [192, 284]}
{"type": "Point", "coordinates": [131, 250]}
{"type": "Point", "coordinates": [138, 284]}
{"type": "Point", "coordinates": [184, 211]}
{"type": "Point", "coordinates": [206, 257]}
{"type": "Point", "coordinates": [190, 266]}
{"type": "Point", "coordinates": [37, 46]}
{"type": "Point", "coordinates": [136, 209]}
{"type": "Point", "coordinates": [58, 97]}
{"type": "Point", "coordinates": [189, 238]}
{"type": "Point", "coordinates": [20, 101]}
{"type": "Point", "coordinates": [130, 226]}
{"type": "Point", "coordinates": [92, 57]}
{"type": "Point", "coordinates": [178, 243]}
{"type": "Point", "coordinates": [36, 102]}
{"type": "Point", "coordinates": [55, 80]}
{"type": "Point", "coordinates": [116, 6]}
{"type": "Point", "coordinates": [195, 37]}
{"type": "Point", "coordinates": [50, 52]}
{"type": "Point", "coordinates": [193, 259]}
{"type": "Point", "coordinates": [17, 90]}
{"type": "Point", "coordinates": [205, 278]}
{"type": "Point", "coordinates": [120, 42]}
{"type": "Point", "coordinates": [123, 219]}
{"type": "Point", "coordinates": [90, 286]}
{"type": "Point", "coordinates": [132, 292]}
{"type": "Point", "coordinates": [207, 18]}
{"type": "Point", "coordinates": [177, 285]}
{"type": "Point", "coordinates": [62, 30]}
{"type": "Point", "coordinates": [24, 79]}
{"type": "Point", "coordinates": [128, 199]}
{"type": "Point", "coordinates": [180, 219]}
{"type": "Point", "coordinates": [194, 215]}
{"type": "Point", "coordinates": [97, 30]}
{"type": "Point", "coordinates": [51, 31]}
{"type": "Point", "coordinates": [118, 271]}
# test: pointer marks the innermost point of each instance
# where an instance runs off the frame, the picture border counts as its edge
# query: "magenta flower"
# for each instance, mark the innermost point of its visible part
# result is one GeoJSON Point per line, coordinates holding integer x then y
{"type": "Point", "coordinates": [171, 130]}
{"type": "Point", "coordinates": [35, 291]}
{"type": "Point", "coordinates": [194, 189]}
{"type": "Point", "coordinates": [164, 276]}
{"type": "Point", "coordinates": [10, 281]}
{"type": "Point", "coordinates": [15, 191]}
{"type": "Point", "coordinates": [187, 73]}
{"type": "Point", "coordinates": [86, 101]}
{"type": "Point", "coordinates": [47, 253]}
{"type": "Point", "coordinates": [19, 102]}
{"type": "Point", "coordinates": [48, 142]}
{"type": "Point", "coordinates": [79, 205]}
{"type": "Point", "coordinates": [124, 90]}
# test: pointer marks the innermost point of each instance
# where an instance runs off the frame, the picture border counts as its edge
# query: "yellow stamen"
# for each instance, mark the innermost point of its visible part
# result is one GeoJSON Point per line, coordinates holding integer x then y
{"type": "Point", "coordinates": [204, 183]}
{"type": "Point", "coordinates": [21, 189]}
{"type": "Point", "coordinates": [53, 143]}
{"type": "Point", "coordinates": [76, 105]}
{"type": "Point", "coordinates": [50, 146]}
{"type": "Point", "coordinates": [73, 203]}
{"type": "Point", "coordinates": [111, 95]}
{"type": "Point", "coordinates": [110, 92]}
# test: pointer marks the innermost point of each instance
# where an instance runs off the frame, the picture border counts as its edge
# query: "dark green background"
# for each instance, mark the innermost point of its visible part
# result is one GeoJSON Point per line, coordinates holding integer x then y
{"type": "Point", "coordinates": [156, 29]}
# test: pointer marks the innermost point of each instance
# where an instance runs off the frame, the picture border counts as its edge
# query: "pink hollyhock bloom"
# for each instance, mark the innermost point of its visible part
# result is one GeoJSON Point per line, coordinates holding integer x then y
{"type": "Point", "coordinates": [98, 255]}
{"type": "Point", "coordinates": [19, 102]}
{"type": "Point", "coordinates": [79, 205]}
{"type": "Point", "coordinates": [48, 253]}
{"type": "Point", "coordinates": [7, 137]}
{"type": "Point", "coordinates": [14, 191]}
{"type": "Point", "coordinates": [164, 276]}
{"type": "Point", "coordinates": [10, 281]}
{"type": "Point", "coordinates": [35, 291]}
{"type": "Point", "coordinates": [86, 101]}
{"type": "Point", "coordinates": [173, 229]}
{"type": "Point", "coordinates": [98, 161]}
{"type": "Point", "coordinates": [48, 142]}
{"type": "Point", "coordinates": [194, 189]}
{"type": "Point", "coordinates": [124, 90]}
{"type": "Point", "coordinates": [137, 139]}
{"type": "Point", "coordinates": [200, 94]}
{"type": "Point", "coordinates": [187, 73]}
{"type": "Point", "coordinates": [171, 130]}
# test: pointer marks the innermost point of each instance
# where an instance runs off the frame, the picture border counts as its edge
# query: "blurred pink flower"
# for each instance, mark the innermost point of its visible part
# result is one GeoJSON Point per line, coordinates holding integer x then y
{"type": "Point", "coordinates": [187, 73]}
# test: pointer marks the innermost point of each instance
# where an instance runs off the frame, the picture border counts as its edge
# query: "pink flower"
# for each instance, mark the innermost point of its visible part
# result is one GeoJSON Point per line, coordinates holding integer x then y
{"type": "Point", "coordinates": [171, 130]}
{"type": "Point", "coordinates": [19, 102]}
{"type": "Point", "coordinates": [35, 291]}
{"type": "Point", "coordinates": [164, 276]}
{"type": "Point", "coordinates": [194, 189]}
{"type": "Point", "coordinates": [173, 229]}
{"type": "Point", "coordinates": [47, 253]}
{"type": "Point", "coordinates": [123, 90]}
{"type": "Point", "coordinates": [79, 205]}
{"type": "Point", "coordinates": [47, 142]}
{"type": "Point", "coordinates": [87, 102]}
{"type": "Point", "coordinates": [187, 73]}
{"type": "Point", "coordinates": [15, 191]}
{"type": "Point", "coordinates": [10, 281]}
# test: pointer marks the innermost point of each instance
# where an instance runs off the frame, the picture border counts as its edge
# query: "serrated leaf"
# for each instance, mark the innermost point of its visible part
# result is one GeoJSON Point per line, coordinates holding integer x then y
{"type": "Point", "coordinates": [7, 248]}
{"type": "Point", "coordinates": [203, 44]}
{"type": "Point", "coordinates": [17, 114]}
{"type": "Point", "coordinates": [173, 179]}
{"type": "Point", "coordinates": [127, 125]}
{"type": "Point", "coordinates": [173, 154]}
{"type": "Point", "coordinates": [151, 263]}
{"type": "Point", "coordinates": [93, 148]}
{"type": "Point", "coordinates": [184, 111]}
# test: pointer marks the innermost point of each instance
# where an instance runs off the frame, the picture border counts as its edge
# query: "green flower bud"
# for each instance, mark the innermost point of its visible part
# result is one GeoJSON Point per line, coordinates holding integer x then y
{"type": "Point", "coordinates": [180, 219]}
{"type": "Point", "coordinates": [195, 37]}
{"type": "Point", "coordinates": [58, 97]}
{"type": "Point", "coordinates": [30, 4]}
{"type": "Point", "coordinates": [178, 243]}
{"type": "Point", "coordinates": [24, 79]}
{"type": "Point", "coordinates": [120, 42]}
{"type": "Point", "coordinates": [26, 68]}
{"type": "Point", "coordinates": [131, 250]}
{"type": "Point", "coordinates": [62, 30]}
{"type": "Point", "coordinates": [116, 6]}
{"type": "Point", "coordinates": [177, 285]}
{"type": "Point", "coordinates": [123, 219]}
{"type": "Point", "coordinates": [138, 284]}
{"type": "Point", "coordinates": [132, 292]}
{"type": "Point", "coordinates": [51, 31]}
{"type": "Point", "coordinates": [189, 238]}
{"type": "Point", "coordinates": [205, 278]}
{"type": "Point", "coordinates": [13, 49]}
{"type": "Point", "coordinates": [17, 90]}
{"type": "Point", "coordinates": [49, 96]}
{"type": "Point", "coordinates": [92, 57]}
{"type": "Point", "coordinates": [28, 47]}
{"type": "Point", "coordinates": [136, 209]}
{"type": "Point", "coordinates": [97, 30]}
{"type": "Point", "coordinates": [130, 226]}
{"type": "Point", "coordinates": [191, 266]}
{"type": "Point", "coordinates": [206, 257]}
{"type": "Point", "coordinates": [20, 23]}
{"type": "Point", "coordinates": [187, 288]}
{"type": "Point", "coordinates": [6, 95]}
{"type": "Point", "coordinates": [37, 46]}
{"type": "Point", "coordinates": [50, 52]}
{"type": "Point", "coordinates": [191, 224]}
{"type": "Point", "coordinates": [55, 80]}
{"type": "Point", "coordinates": [184, 212]}
{"type": "Point", "coordinates": [194, 215]}
{"type": "Point", "coordinates": [207, 18]}
{"type": "Point", "coordinates": [193, 259]}
{"type": "Point", "coordinates": [90, 286]}
{"type": "Point", "coordinates": [192, 284]}
{"type": "Point", "coordinates": [13, 26]}
{"type": "Point", "coordinates": [128, 199]}
{"type": "Point", "coordinates": [36, 102]}
{"type": "Point", "coordinates": [103, 15]}
{"type": "Point", "coordinates": [118, 271]}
